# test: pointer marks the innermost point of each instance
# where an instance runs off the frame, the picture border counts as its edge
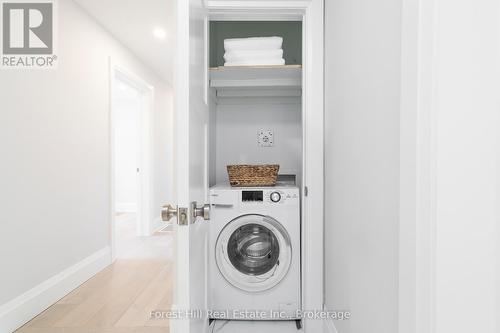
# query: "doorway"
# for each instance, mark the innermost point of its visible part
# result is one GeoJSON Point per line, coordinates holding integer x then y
{"type": "Point", "coordinates": [131, 108]}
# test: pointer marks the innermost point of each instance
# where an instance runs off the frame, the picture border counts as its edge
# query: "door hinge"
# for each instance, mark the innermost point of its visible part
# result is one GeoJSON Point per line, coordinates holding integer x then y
{"type": "Point", "coordinates": [306, 191]}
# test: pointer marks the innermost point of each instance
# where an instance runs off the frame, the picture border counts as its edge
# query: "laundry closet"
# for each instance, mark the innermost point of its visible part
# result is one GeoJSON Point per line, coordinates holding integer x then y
{"type": "Point", "coordinates": [255, 118]}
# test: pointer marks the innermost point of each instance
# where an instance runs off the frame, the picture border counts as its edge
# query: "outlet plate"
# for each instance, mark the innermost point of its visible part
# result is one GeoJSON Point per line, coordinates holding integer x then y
{"type": "Point", "coordinates": [265, 138]}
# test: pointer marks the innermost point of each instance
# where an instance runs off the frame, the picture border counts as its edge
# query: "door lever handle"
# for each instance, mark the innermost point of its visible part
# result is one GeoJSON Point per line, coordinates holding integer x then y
{"type": "Point", "coordinates": [168, 212]}
{"type": "Point", "coordinates": [203, 211]}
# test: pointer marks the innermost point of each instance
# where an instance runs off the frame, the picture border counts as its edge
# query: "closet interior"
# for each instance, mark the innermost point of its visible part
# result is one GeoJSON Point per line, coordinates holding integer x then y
{"type": "Point", "coordinates": [256, 113]}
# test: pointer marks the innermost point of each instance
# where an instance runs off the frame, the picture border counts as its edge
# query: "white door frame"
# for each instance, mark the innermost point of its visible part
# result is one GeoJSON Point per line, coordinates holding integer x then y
{"type": "Point", "coordinates": [311, 13]}
{"type": "Point", "coordinates": [418, 175]}
{"type": "Point", "coordinates": [144, 204]}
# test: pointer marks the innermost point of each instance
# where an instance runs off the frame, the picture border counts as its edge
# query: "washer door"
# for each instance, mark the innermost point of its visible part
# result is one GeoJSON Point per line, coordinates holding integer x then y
{"type": "Point", "coordinates": [253, 252]}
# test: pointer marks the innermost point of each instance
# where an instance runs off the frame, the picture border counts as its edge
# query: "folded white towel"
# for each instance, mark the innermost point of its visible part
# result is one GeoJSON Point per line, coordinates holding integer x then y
{"type": "Point", "coordinates": [256, 62]}
{"type": "Point", "coordinates": [245, 55]}
{"type": "Point", "coordinates": [253, 43]}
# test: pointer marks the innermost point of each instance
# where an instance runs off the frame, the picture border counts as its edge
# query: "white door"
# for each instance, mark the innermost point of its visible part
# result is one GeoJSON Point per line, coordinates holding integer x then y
{"type": "Point", "coordinates": [191, 112]}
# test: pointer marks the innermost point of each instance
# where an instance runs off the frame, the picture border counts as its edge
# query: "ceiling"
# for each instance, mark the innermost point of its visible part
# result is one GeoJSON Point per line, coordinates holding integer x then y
{"type": "Point", "coordinates": [132, 22]}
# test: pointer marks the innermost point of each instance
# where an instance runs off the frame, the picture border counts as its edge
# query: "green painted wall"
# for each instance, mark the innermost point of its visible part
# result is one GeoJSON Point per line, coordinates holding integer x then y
{"type": "Point", "coordinates": [290, 31]}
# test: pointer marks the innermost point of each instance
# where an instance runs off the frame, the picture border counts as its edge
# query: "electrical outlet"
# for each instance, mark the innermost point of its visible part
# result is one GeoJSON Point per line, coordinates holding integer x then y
{"type": "Point", "coordinates": [265, 138]}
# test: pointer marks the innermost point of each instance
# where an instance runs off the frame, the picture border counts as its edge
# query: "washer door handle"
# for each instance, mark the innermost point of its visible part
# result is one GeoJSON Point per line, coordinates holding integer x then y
{"type": "Point", "coordinates": [222, 205]}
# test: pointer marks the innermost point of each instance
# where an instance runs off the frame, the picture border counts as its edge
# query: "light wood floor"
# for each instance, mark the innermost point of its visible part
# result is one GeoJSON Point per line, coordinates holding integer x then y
{"type": "Point", "coordinates": [119, 299]}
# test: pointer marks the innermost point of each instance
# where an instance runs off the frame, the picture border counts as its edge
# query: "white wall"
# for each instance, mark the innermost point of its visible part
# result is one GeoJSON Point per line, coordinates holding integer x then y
{"type": "Point", "coordinates": [237, 133]}
{"type": "Point", "coordinates": [467, 110]}
{"type": "Point", "coordinates": [127, 103]}
{"type": "Point", "coordinates": [362, 96]}
{"type": "Point", "coordinates": [54, 141]}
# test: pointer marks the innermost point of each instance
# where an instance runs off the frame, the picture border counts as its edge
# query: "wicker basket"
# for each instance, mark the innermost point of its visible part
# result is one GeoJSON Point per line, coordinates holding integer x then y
{"type": "Point", "coordinates": [253, 175]}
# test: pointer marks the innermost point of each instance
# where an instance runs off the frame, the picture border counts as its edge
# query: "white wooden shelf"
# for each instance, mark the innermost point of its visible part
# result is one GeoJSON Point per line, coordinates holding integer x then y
{"type": "Point", "coordinates": [257, 81]}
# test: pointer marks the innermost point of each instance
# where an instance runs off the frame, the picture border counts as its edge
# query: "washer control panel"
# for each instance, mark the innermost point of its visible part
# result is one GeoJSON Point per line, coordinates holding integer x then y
{"type": "Point", "coordinates": [271, 196]}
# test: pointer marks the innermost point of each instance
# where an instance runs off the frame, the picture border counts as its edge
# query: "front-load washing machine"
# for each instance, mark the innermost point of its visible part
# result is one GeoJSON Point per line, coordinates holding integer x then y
{"type": "Point", "coordinates": [254, 259]}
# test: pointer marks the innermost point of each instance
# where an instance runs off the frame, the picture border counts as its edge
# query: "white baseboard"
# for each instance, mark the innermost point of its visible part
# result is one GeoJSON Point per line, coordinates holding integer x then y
{"type": "Point", "coordinates": [23, 308]}
{"type": "Point", "coordinates": [126, 207]}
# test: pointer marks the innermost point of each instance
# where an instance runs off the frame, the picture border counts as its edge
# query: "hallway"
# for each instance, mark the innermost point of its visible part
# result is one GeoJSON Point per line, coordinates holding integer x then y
{"type": "Point", "coordinates": [121, 297]}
